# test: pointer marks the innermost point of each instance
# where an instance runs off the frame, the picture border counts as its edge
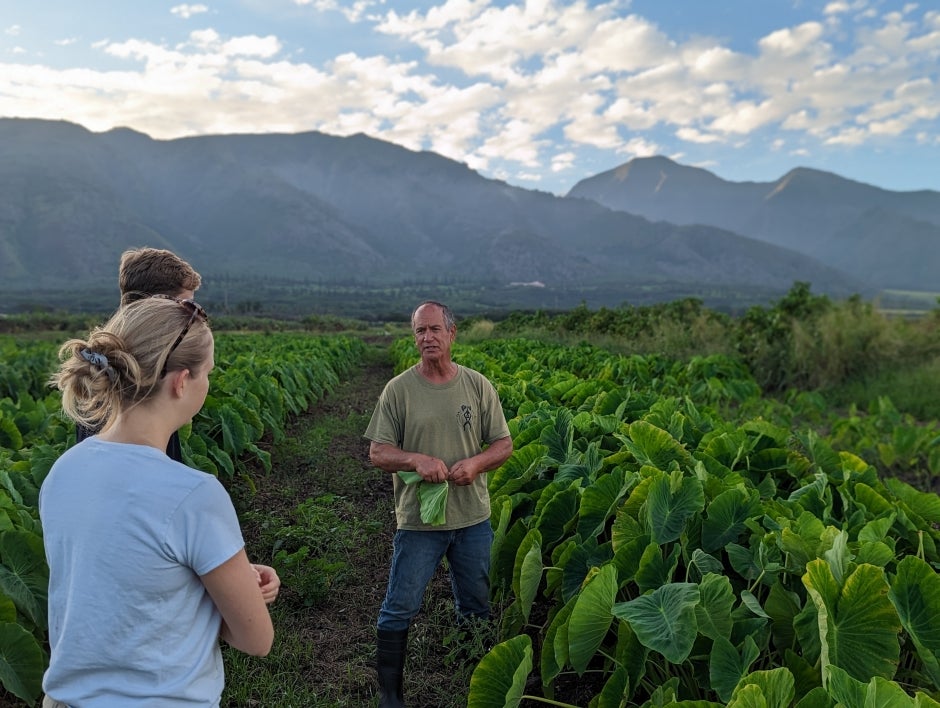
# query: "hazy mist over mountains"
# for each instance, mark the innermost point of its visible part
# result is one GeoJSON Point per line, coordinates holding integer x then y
{"type": "Point", "coordinates": [315, 208]}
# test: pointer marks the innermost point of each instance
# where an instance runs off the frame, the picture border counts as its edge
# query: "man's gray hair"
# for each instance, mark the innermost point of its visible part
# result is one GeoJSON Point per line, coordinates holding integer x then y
{"type": "Point", "coordinates": [449, 319]}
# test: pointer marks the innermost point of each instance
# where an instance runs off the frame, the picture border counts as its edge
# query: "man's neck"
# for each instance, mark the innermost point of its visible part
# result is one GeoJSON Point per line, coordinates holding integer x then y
{"type": "Point", "coordinates": [438, 372]}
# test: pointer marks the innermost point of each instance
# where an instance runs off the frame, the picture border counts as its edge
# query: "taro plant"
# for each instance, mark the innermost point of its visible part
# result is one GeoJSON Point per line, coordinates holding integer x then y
{"type": "Point", "coordinates": [658, 550]}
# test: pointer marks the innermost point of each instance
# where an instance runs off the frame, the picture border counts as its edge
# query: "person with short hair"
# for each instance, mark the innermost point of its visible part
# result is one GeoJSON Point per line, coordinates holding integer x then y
{"type": "Point", "coordinates": [144, 272]}
{"type": "Point", "coordinates": [147, 563]}
{"type": "Point", "coordinates": [151, 271]}
{"type": "Point", "coordinates": [445, 422]}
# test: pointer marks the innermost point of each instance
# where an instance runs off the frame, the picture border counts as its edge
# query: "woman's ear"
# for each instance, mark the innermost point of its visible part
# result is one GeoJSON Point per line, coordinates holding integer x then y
{"type": "Point", "coordinates": [179, 381]}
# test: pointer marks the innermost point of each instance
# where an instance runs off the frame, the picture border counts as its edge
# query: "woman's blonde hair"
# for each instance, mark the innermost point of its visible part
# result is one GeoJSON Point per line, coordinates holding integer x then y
{"type": "Point", "coordinates": [121, 363]}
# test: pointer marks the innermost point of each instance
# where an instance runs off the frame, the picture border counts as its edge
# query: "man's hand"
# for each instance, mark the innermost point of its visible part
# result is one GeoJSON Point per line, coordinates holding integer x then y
{"type": "Point", "coordinates": [463, 472]}
{"type": "Point", "coordinates": [431, 469]}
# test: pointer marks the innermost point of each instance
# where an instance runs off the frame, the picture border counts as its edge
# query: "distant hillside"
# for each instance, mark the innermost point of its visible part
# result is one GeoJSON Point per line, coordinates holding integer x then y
{"type": "Point", "coordinates": [316, 208]}
{"type": "Point", "coordinates": [885, 239]}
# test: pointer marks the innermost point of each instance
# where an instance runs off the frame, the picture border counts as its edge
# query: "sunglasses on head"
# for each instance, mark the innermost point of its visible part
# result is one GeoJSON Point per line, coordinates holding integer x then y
{"type": "Point", "coordinates": [195, 310]}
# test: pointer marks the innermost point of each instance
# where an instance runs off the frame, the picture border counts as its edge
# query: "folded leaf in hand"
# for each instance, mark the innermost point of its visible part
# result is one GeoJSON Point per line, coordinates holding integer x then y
{"type": "Point", "coordinates": [433, 497]}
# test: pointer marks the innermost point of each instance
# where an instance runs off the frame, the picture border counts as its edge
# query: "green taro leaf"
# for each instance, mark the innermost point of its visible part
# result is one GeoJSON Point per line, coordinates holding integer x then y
{"type": "Point", "coordinates": [915, 594]}
{"type": "Point", "coordinates": [524, 463]}
{"type": "Point", "coordinates": [234, 431]}
{"type": "Point", "coordinates": [222, 459]}
{"type": "Point", "coordinates": [664, 620]}
{"type": "Point", "coordinates": [726, 517]}
{"type": "Point", "coordinates": [655, 570]}
{"type": "Point", "coordinates": [713, 613]}
{"type": "Point", "coordinates": [503, 554]}
{"type": "Point", "coordinates": [527, 572]}
{"type": "Point", "coordinates": [857, 624]}
{"type": "Point", "coordinates": [433, 498]}
{"type": "Point", "coordinates": [558, 437]}
{"type": "Point", "coordinates": [816, 698]}
{"type": "Point", "coordinates": [599, 502]}
{"type": "Point", "coordinates": [776, 686]}
{"type": "Point", "coordinates": [24, 576]}
{"type": "Point", "coordinates": [749, 696]}
{"type": "Point", "coordinates": [749, 601]}
{"type": "Point", "coordinates": [702, 564]}
{"type": "Point", "coordinates": [782, 606]}
{"type": "Point", "coordinates": [671, 504]}
{"type": "Point", "coordinates": [499, 679]}
{"type": "Point", "coordinates": [262, 455]}
{"type": "Point", "coordinates": [10, 436]}
{"type": "Point", "coordinates": [631, 654]}
{"type": "Point", "coordinates": [22, 662]}
{"type": "Point", "coordinates": [591, 617]}
{"type": "Point", "coordinates": [555, 516]}
{"type": "Point", "coordinates": [653, 446]}
{"type": "Point", "coordinates": [7, 609]}
{"type": "Point", "coordinates": [727, 666]}
{"type": "Point", "coordinates": [578, 563]}
{"type": "Point", "coordinates": [876, 693]}
{"type": "Point", "coordinates": [554, 654]}
{"type": "Point", "coordinates": [615, 690]}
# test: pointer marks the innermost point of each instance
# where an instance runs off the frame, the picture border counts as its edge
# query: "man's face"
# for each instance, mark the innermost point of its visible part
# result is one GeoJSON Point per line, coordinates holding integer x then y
{"type": "Point", "coordinates": [432, 337]}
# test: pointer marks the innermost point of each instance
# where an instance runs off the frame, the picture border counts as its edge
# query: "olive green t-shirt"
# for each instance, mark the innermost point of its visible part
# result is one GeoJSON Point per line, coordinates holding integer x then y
{"type": "Point", "coordinates": [451, 421]}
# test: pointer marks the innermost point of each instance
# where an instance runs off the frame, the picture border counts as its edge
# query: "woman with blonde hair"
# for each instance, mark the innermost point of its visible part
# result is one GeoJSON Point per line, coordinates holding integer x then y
{"type": "Point", "coordinates": [147, 566]}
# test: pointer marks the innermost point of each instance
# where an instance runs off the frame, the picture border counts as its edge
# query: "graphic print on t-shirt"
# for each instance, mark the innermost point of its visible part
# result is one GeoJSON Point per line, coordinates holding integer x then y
{"type": "Point", "coordinates": [465, 416]}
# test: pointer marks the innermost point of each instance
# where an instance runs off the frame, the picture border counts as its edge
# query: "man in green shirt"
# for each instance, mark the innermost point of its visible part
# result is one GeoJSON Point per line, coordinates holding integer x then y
{"type": "Point", "coordinates": [444, 422]}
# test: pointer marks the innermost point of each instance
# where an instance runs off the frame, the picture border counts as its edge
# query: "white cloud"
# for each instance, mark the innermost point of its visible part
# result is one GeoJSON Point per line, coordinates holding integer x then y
{"type": "Point", "coordinates": [848, 136]}
{"type": "Point", "coordinates": [563, 161]}
{"type": "Point", "coordinates": [356, 12]}
{"type": "Point", "coordinates": [791, 41]}
{"type": "Point", "coordinates": [519, 86]}
{"type": "Point", "coordinates": [187, 11]}
{"type": "Point", "coordinates": [13, 30]}
{"type": "Point", "coordinates": [836, 8]}
{"type": "Point", "coordinates": [691, 135]}
{"type": "Point", "coordinates": [638, 147]}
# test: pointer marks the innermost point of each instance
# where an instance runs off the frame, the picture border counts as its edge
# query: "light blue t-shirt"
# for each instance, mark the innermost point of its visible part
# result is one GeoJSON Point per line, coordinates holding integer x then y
{"type": "Point", "coordinates": [128, 532]}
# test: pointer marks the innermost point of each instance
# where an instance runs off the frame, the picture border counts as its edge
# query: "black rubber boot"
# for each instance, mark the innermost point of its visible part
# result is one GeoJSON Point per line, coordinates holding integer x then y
{"type": "Point", "coordinates": [390, 665]}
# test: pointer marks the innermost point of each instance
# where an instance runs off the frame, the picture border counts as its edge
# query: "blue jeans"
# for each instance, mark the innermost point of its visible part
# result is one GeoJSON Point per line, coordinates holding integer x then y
{"type": "Point", "coordinates": [415, 558]}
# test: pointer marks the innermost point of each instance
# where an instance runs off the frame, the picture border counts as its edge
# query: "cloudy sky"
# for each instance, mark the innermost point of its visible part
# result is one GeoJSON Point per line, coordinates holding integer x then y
{"type": "Point", "coordinates": [540, 94]}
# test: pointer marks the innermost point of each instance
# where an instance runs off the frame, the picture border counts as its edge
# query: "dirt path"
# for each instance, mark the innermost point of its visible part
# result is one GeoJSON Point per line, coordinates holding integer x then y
{"type": "Point", "coordinates": [324, 494]}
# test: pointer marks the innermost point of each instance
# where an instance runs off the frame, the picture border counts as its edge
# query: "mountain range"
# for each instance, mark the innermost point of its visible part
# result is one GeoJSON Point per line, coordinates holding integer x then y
{"type": "Point", "coordinates": [315, 208]}
{"type": "Point", "coordinates": [885, 239]}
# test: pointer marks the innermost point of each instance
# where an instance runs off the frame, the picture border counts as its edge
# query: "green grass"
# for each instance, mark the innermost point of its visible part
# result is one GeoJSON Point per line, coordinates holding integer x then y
{"type": "Point", "coordinates": [914, 390]}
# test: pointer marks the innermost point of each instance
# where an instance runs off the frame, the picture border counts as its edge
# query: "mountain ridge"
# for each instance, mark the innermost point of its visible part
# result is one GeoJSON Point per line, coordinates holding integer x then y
{"type": "Point", "coordinates": [885, 238]}
{"type": "Point", "coordinates": [314, 207]}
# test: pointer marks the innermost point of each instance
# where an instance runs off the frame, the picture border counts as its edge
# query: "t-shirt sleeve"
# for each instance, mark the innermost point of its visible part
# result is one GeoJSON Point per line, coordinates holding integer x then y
{"type": "Point", "coordinates": [204, 531]}
{"type": "Point", "coordinates": [385, 426]}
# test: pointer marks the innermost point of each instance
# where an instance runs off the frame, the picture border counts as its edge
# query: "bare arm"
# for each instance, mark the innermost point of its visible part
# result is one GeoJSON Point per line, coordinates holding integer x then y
{"type": "Point", "coordinates": [234, 589]}
{"type": "Point", "coordinates": [463, 472]}
{"type": "Point", "coordinates": [393, 459]}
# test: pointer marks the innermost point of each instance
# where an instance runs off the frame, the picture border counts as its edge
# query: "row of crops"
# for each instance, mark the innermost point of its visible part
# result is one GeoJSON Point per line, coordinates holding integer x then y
{"type": "Point", "coordinates": [665, 535]}
{"type": "Point", "coordinates": [669, 537]}
{"type": "Point", "coordinates": [259, 382]}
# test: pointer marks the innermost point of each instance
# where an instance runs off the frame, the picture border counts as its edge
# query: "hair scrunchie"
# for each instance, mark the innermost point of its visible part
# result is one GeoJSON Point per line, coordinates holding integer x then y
{"type": "Point", "coordinates": [100, 362]}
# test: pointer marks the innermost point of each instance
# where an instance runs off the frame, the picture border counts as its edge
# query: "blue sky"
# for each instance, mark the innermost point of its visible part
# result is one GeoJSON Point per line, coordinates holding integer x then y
{"type": "Point", "coordinates": [540, 94]}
